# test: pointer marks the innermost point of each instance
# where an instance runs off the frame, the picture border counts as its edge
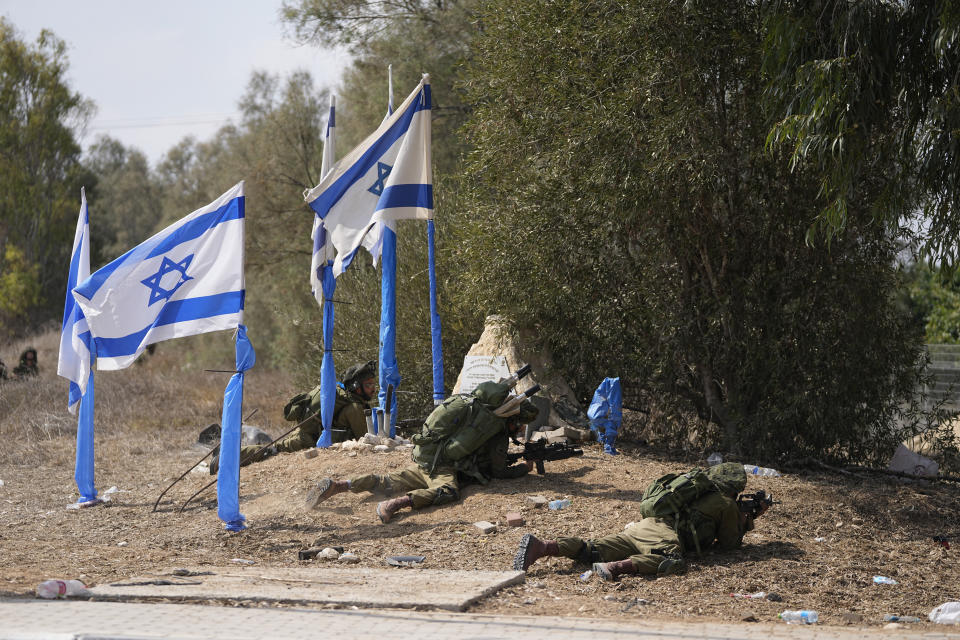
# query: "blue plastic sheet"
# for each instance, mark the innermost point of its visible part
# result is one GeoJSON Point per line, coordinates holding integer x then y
{"type": "Point", "coordinates": [328, 375]}
{"type": "Point", "coordinates": [605, 413]}
{"type": "Point", "coordinates": [228, 476]}
{"type": "Point", "coordinates": [389, 372]}
{"type": "Point", "coordinates": [84, 471]}
{"type": "Point", "coordinates": [435, 329]}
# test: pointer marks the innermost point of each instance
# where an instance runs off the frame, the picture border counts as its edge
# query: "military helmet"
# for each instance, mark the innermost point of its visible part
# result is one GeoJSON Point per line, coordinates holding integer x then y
{"type": "Point", "coordinates": [729, 477]}
{"type": "Point", "coordinates": [359, 372]}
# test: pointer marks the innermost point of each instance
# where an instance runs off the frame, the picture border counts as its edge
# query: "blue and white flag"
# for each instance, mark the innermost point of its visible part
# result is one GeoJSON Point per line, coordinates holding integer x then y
{"type": "Point", "coordinates": [387, 177]}
{"type": "Point", "coordinates": [74, 363]}
{"type": "Point", "coordinates": [323, 250]}
{"type": "Point", "coordinates": [185, 280]}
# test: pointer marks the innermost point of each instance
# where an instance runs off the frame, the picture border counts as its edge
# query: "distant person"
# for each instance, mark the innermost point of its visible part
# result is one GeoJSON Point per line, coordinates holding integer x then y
{"type": "Point", "coordinates": [28, 365]}
{"type": "Point", "coordinates": [355, 394]}
{"type": "Point", "coordinates": [655, 546]}
{"type": "Point", "coordinates": [462, 441]}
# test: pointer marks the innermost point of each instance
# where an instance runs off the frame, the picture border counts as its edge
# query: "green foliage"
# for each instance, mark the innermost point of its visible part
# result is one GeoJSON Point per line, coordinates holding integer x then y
{"type": "Point", "coordinates": [19, 286]}
{"type": "Point", "coordinates": [933, 298]}
{"type": "Point", "coordinates": [40, 174]}
{"type": "Point", "coordinates": [619, 200]}
{"type": "Point", "coordinates": [869, 91]}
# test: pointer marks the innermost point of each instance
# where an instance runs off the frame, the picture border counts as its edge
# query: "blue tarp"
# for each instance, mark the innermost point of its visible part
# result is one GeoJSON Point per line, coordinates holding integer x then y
{"type": "Point", "coordinates": [605, 413]}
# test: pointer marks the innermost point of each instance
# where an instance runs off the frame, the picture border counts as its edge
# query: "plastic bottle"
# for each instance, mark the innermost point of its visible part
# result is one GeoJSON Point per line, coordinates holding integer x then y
{"type": "Point", "coordinates": [714, 459]}
{"type": "Point", "coordinates": [799, 617]}
{"type": "Point", "coordinates": [883, 580]}
{"type": "Point", "coordinates": [946, 613]}
{"type": "Point", "coordinates": [556, 505]}
{"type": "Point", "coordinates": [761, 471]}
{"type": "Point", "coordinates": [889, 618]}
{"type": "Point", "coordinates": [60, 588]}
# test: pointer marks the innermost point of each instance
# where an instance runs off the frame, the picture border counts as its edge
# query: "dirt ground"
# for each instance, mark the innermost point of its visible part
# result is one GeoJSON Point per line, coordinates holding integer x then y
{"type": "Point", "coordinates": [819, 549]}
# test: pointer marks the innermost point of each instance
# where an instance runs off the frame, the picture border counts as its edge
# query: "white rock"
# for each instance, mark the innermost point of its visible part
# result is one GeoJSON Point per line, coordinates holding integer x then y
{"type": "Point", "coordinates": [328, 553]}
{"type": "Point", "coordinates": [349, 558]}
{"type": "Point", "coordinates": [381, 448]}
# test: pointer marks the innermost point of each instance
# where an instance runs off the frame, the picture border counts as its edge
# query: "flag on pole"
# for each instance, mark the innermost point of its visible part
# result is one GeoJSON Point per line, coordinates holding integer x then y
{"type": "Point", "coordinates": [75, 360]}
{"type": "Point", "coordinates": [387, 177]}
{"type": "Point", "coordinates": [185, 280]}
{"type": "Point", "coordinates": [75, 356]}
{"type": "Point", "coordinates": [323, 250]}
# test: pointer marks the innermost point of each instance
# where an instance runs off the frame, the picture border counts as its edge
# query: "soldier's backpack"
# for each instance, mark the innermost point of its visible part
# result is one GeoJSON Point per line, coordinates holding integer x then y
{"type": "Point", "coordinates": [304, 405]}
{"type": "Point", "coordinates": [459, 425]}
{"type": "Point", "coordinates": [672, 493]}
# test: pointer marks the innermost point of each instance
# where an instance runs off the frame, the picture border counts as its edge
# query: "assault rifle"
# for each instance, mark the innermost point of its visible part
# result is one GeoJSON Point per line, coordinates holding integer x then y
{"type": "Point", "coordinates": [753, 504]}
{"type": "Point", "coordinates": [539, 451]}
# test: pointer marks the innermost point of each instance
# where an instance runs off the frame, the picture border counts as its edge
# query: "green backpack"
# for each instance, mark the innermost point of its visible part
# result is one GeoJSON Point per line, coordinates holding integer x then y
{"type": "Point", "coordinates": [458, 426]}
{"type": "Point", "coordinates": [304, 405]}
{"type": "Point", "coordinates": [673, 493]}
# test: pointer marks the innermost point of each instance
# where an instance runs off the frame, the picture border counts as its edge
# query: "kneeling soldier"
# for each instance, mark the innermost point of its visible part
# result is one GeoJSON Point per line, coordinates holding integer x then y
{"type": "Point", "coordinates": [464, 440]}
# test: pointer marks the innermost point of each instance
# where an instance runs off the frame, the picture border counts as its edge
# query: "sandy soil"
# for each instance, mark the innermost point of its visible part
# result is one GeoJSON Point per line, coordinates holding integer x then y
{"type": "Point", "coordinates": [819, 549]}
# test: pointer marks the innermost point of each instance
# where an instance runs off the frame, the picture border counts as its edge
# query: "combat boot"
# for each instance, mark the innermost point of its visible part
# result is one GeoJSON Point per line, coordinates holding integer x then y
{"type": "Point", "coordinates": [387, 508]}
{"type": "Point", "coordinates": [613, 570]}
{"type": "Point", "coordinates": [532, 549]}
{"type": "Point", "coordinates": [324, 489]}
{"type": "Point", "coordinates": [671, 566]}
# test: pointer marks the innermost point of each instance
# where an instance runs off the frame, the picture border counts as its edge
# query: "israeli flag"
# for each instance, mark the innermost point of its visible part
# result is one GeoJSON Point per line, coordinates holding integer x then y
{"type": "Point", "coordinates": [323, 250]}
{"type": "Point", "coordinates": [185, 280]}
{"type": "Point", "coordinates": [387, 177]}
{"type": "Point", "coordinates": [74, 363]}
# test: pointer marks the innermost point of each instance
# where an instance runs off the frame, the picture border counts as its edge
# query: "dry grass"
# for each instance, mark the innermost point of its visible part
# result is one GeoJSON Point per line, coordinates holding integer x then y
{"type": "Point", "coordinates": [147, 422]}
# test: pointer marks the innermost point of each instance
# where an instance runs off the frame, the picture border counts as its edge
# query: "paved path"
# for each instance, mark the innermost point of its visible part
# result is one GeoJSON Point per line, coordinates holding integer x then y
{"type": "Point", "coordinates": [84, 620]}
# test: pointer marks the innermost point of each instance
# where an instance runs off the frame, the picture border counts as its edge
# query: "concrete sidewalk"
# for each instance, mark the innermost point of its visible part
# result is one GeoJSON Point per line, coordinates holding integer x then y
{"type": "Point", "coordinates": [84, 620]}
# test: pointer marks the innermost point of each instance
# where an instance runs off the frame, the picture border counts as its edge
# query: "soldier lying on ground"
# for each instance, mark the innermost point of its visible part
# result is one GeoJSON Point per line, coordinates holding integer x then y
{"type": "Point", "coordinates": [656, 545]}
{"type": "Point", "coordinates": [357, 394]}
{"type": "Point", "coordinates": [461, 441]}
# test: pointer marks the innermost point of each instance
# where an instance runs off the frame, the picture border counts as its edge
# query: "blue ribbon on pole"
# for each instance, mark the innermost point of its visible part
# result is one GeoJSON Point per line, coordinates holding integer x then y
{"type": "Point", "coordinates": [228, 476]}
{"type": "Point", "coordinates": [328, 375]}
{"type": "Point", "coordinates": [84, 471]}
{"type": "Point", "coordinates": [436, 342]}
{"type": "Point", "coordinates": [389, 372]}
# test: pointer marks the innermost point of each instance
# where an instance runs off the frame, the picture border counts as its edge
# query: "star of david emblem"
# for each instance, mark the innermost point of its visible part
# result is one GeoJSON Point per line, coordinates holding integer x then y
{"type": "Point", "coordinates": [157, 281]}
{"type": "Point", "coordinates": [383, 170]}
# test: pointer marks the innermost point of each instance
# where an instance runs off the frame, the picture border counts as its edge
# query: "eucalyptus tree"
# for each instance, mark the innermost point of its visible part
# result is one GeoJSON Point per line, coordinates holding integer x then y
{"type": "Point", "coordinates": [620, 200]}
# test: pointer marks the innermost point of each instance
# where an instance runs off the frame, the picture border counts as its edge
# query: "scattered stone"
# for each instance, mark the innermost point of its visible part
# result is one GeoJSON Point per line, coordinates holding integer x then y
{"type": "Point", "coordinates": [749, 617]}
{"type": "Point", "coordinates": [610, 597]}
{"type": "Point", "coordinates": [329, 553]}
{"type": "Point", "coordinates": [381, 448]}
{"type": "Point", "coordinates": [364, 447]}
{"type": "Point", "coordinates": [893, 625]}
{"type": "Point", "coordinates": [851, 618]}
{"type": "Point", "coordinates": [485, 527]}
{"type": "Point", "coordinates": [530, 601]}
{"type": "Point", "coordinates": [537, 435]}
{"type": "Point", "coordinates": [309, 454]}
{"type": "Point", "coordinates": [122, 544]}
{"type": "Point", "coordinates": [774, 597]}
{"type": "Point", "coordinates": [348, 557]}
{"type": "Point", "coordinates": [514, 519]}
{"type": "Point", "coordinates": [536, 501]}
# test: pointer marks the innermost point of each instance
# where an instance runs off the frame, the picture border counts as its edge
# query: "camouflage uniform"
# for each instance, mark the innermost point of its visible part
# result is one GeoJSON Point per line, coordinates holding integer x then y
{"type": "Point", "coordinates": [349, 422]}
{"type": "Point", "coordinates": [657, 545]}
{"type": "Point", "coordinates": [715, 518]}
{"type": "Point", "coordinates": [443, 485]}
{"type": "Point", "coordinates": [26, 369]}
{"type": "Point", "coordinates": [475, 452]}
